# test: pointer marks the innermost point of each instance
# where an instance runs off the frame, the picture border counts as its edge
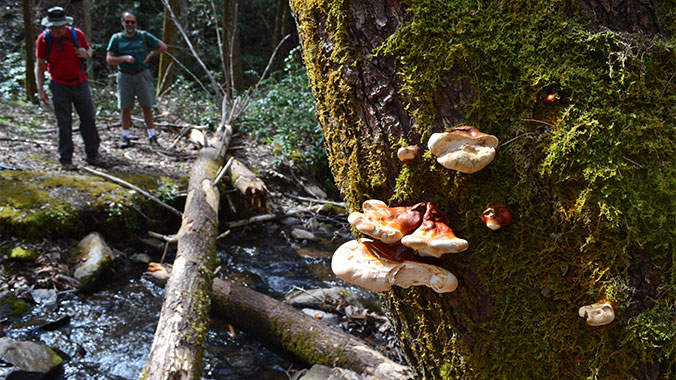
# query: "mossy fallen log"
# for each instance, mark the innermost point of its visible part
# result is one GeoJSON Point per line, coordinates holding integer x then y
{"type": "Point", "coordinates": [305, 337]}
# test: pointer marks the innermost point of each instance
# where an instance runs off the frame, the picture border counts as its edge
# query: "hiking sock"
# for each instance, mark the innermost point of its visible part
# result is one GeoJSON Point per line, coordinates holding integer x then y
{"type": "Point", "coordinates": [125, 133]}
{"type": "Point", "coordinates": [151, 133]}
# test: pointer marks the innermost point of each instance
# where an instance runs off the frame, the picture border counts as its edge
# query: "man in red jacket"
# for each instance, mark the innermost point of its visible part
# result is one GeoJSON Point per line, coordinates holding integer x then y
{"type": "Point", "coordinates": [64, 59]}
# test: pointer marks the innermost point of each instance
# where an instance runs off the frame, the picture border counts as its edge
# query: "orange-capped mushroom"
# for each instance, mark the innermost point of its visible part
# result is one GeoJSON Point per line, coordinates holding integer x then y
{"type": "Point", "coordinates": [409, 154]}
{"type": "Point", "coordinates": [434, 237]}
{"type": "Point", "coordinates": [387, 224]}
{"type": "Point", "coordinates": [496, 215]}
{"type": "Point", "coordinates": [465, 149]}
{"type": "Point", "coordinates": [377, 266]}
{"type": "Point", "coordinates": [550, 98]}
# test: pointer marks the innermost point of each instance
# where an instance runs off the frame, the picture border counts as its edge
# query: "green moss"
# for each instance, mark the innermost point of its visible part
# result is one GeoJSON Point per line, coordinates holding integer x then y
{"type": "Point", "coordinates": [36, 205]}
{"type": "Point", "coordinates": [11, 306]}
{"type": "Point", "coordinates": [653, 333]}
{"type": "Point", "coordinates": [18, 253]}
{"type": "Point", "coordinates": [590, 179]}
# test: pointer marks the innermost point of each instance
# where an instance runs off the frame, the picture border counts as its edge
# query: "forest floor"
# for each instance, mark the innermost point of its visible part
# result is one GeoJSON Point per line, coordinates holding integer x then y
{"type": "Point", "coordinates": [28, 142]}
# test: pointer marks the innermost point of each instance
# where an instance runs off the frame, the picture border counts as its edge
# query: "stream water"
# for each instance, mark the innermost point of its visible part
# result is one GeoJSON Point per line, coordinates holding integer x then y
{"type": "Point", "coordinates": [107, 334]}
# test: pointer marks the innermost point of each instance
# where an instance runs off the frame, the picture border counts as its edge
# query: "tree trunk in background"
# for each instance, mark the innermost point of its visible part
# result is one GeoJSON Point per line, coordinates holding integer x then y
{"type": "Point", "coordinates": [231, 48]}
{"type": "Point", "coordinates": [29, 39]}
{"type": "Point", "coordinates": [87, 17]}
{"type": "Point", "coordinates": [282, 19]}
{"type": "Point", "coordinates": [165, 76]}
{"type": "Point", "coordinates": [588, 173]}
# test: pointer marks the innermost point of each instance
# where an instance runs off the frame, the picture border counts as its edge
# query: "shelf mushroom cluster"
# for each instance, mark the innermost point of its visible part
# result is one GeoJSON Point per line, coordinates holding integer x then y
{"type": "Point", "coordinates": [467, 150]}
{"type": "Point", "coordinates": [405, 235]}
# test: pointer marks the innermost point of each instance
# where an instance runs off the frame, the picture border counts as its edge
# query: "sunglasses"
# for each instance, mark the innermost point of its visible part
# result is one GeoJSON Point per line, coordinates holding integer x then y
{"type": "Point", "coordinates": [129, 22]}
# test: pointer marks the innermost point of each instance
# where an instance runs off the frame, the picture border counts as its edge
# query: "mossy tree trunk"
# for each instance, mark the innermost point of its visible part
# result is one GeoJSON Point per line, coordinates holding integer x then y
{"type": "Point", "coordinates": [590, 179]}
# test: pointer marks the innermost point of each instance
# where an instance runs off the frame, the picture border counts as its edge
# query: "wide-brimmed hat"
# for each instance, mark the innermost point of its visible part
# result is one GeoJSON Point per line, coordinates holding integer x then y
{"type": "Point", "coordinates": [56, 16]}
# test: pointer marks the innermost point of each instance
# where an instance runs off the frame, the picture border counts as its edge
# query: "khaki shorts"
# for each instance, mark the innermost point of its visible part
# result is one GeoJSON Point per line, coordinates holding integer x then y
{"type": "Point", "coordinates": [139, 85]}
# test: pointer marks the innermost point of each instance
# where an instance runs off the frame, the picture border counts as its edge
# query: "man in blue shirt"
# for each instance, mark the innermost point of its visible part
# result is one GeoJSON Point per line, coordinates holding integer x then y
{"type": "Point", "coordinates": [130, 51]}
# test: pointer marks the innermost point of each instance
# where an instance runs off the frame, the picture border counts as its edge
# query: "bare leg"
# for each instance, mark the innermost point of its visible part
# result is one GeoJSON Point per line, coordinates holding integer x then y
{"type": "Point", "coordinates": [148, 117]}
{"type": "Point", "coordinates": [126, 118]}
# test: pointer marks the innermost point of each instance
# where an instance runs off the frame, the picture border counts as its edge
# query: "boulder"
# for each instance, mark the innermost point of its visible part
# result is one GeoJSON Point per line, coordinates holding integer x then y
{"type": "Point", "coordinates": [94, 257]}
{"type": "Point", "coordinates": [28, 357]}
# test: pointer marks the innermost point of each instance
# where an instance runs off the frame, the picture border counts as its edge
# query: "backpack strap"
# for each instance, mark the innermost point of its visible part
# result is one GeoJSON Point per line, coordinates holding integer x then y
{"type": "Point", "coordinates": [49, 40]}
{"type": "Point", "coordinates": [74, 37]}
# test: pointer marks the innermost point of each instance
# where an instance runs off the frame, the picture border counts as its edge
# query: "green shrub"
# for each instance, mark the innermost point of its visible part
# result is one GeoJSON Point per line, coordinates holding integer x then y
{"type": "Point", "coordinates": [284, 115]}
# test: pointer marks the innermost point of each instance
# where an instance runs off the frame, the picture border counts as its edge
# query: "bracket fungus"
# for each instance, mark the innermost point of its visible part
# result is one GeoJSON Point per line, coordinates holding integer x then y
{"type": "Point", "coordinates": [409, 154]}
{"type": "Point", "coordinates": [496, 216]}
{"type": "Point", "coordinates": [434, 237]}
{"type": "Point", "coordinates": [378, 266]}
{"type": "Point", "coordinates": [387, 224]}
{"type": "Point", "coordinates": [465, 149]}
{"type": "Point", "coordinates": [598, 314]}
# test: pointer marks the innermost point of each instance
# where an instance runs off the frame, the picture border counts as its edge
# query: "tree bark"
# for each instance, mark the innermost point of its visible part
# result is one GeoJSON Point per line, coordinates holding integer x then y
{"type": "Point", "coordinates": [87, 19]}
{"type": "Point", "coordinates": [307, 338]}
{"type": "Point", "coordinates": [178, 345]}
{"type": "Point", "coordinates": [633, 16]}
{"type": "Point", "coordinates": [387, 74]}
{"type": "Point", "coordinates": [165, 72]}
{"type": "Point", "coordinates": [233, 75]}
{"type": "Point", "coordinates": [29, 40]}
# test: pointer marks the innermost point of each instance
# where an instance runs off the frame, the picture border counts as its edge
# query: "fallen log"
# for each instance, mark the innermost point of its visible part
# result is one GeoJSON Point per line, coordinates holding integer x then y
{"type": "Point", "coordinates": [305, 337]}
{"type": "Point", "coordinates": [178, 346]}
{"type": "Point", "coordinates": [251, 187]}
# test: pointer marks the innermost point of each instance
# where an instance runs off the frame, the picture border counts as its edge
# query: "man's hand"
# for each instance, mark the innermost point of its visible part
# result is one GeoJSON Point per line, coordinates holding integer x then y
{"type": "Point", "coordinates": [43, 96]}
{"type": "Point", "coordinates": [129, 59]}
{"type": "Point", "coordinates": [82, 53]}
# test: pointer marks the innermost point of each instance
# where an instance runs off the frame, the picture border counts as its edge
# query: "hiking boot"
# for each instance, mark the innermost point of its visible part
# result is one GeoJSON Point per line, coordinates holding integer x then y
{"type": "Point", "coordinates": [68, 166]}
{"type": "Point", "coordinates": [96, 161]}
{"type": "Point", "coordinates": [125, 143]}
{"type": "Point", "coordinates": [153, 143]}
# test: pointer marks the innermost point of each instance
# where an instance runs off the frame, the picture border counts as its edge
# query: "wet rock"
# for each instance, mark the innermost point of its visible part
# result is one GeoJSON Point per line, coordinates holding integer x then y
{"type": "Point", "coordinates": [28, 356]}
{"type": "Point", "coordinates": [329, 318]}
{"type": "Point", "coordinates": [315, 298]}
{"type": "Point", "coordinates": [331, 210]}
{"type": "Point", "coordinates": [291, 221]}
{"type": "Point", "coordinates": [300, 234]}
{"type": "Point", "coordinates": [95, 257]}
{"type": "Point", "coordinates": [322, 372]}
{"type": "Point", "coordinates": [48, 323]}
{"type": "Point", "coordinates": [316, 191]}
{"type": "Point", "coordinates": [45, 298]}
{"type": "Point", "coordinates": [140, 258]}
{"type": "Point", "coordinates": [11, 305]}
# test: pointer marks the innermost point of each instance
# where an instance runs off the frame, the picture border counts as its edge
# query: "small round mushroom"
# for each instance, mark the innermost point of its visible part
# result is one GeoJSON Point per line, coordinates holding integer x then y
{"type": "Point", "coordinates": [496, 216]}
{"type": "Point", "coordinates": [409, 154]}
{"type": "Point", "coordinates": [434, 237]}
{"type": "Point", "coordinates": [598, 314]}
{"type": "Point", "coordinates": [387, 224]}
{"type": "Point", "coordinates": [377, 266]}
{"type": "Point", "coordinates": [465, 149]}
{"type": "Point", "coordinates": [550, 98]}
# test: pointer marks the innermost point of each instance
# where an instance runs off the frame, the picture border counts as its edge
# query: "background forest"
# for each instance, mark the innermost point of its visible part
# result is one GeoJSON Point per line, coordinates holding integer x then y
{"type": "Point", "coordinates": [282, 111]}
